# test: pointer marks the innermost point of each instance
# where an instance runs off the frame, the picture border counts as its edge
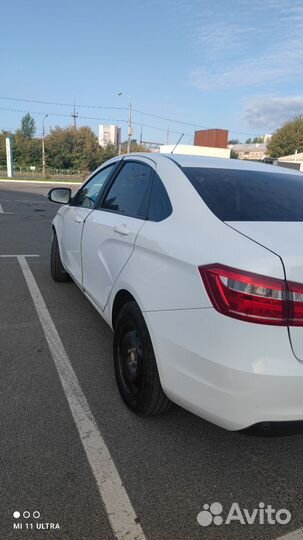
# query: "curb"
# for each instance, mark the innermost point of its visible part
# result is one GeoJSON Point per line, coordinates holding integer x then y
{"type": "Point", "coordinates": [13, 181]}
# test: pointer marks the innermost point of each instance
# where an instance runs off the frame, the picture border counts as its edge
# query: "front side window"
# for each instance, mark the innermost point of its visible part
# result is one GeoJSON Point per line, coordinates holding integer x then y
{"type": "Point", "coordinates": [88, 194]}
{"type": "Point", "coordinates": [129, 193]}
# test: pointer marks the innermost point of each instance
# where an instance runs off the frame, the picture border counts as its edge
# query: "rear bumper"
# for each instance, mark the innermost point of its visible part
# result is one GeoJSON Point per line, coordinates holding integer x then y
{"type": "Point", "coordinates": [232, 373]}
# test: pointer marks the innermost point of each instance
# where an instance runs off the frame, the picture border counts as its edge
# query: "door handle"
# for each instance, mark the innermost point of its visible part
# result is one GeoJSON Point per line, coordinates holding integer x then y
{"type": "Point", "coordinates": [122, 229]}
{"type": "Point", "coordinates": [78, 220]}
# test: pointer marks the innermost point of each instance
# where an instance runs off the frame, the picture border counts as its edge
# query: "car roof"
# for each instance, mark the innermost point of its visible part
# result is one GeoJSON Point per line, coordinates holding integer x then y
{"type": "Point", "coordinates": [183, 160]}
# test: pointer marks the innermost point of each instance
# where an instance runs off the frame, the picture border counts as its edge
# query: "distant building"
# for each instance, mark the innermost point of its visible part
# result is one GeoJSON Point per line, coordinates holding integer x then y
{"type": "Point", "coordinates": [252, 151]}
{"type": "Point", "coordinates": [267, 137]}
{"type": "Point", "coordinates": [294, 161]}
{"type": "Point", "coordinates": [109, 135]}
{"type": "Point", "coordinates": [214, 138]}
{"type": "Point", "coordinates": [151, 146]}
{"type": "Point", "coordinates": [193, 150]}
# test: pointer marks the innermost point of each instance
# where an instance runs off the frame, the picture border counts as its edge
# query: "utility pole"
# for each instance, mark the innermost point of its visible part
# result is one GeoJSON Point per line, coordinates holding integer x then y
{"type": "Point", "coordinates": [75, 115]}
{"type": "Point", "coordinates": [43, 146]}
{"type": "Point", "coordinates": [130, 129]}
{"type": "Point", "coordinates": [167, 135]}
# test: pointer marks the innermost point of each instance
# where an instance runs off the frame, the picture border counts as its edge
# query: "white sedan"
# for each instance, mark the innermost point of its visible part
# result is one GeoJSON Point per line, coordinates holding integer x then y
{"type": "Point", "coordinates": [197, 266]}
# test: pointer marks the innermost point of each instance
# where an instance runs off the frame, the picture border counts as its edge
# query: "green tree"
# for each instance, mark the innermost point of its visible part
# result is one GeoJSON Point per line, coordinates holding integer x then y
{"type": "Point", "coordinates": [59, 146]}
{"type": "Point", "coordinates": [87, 154]}
{"type": "Point", "coordinates": [233, 154]}
{"type": "Point", "coordinates": [134, 147]}
{"type": "Point", "coordinates": [26, 151]}
{"type": "Point", "coordinates": [28, 126]}
{"type": "Point", "coordinates": [75, 149]}
{"type": "Point", "coordinates": [233, 141]}
{"type": "Point", "coordinates": [287, 139]}
{"type": "Point", "coordinates": [248, 141]}
{"type": "Point", "coordinates": [108, 152]}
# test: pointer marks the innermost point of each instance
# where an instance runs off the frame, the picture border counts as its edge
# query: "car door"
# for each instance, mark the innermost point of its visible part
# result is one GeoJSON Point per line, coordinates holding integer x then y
{"type": "Point", "coordinates": [110, 231]}
{"type": "Point", "coordinates": [73, 218]}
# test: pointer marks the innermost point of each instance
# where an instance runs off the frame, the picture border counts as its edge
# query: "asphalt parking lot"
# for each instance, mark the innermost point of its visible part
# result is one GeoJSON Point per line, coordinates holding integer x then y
{"type": "Point", "coordinates": [170, 466]}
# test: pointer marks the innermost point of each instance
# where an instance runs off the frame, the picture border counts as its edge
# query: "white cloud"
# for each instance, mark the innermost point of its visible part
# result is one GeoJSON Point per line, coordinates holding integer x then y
{"type": "Point", "coordinates": [243, 44]}
{"type": "Point", "coordinates": [277, 66]}
{"type": "Point", "coordinates": [268, 113]}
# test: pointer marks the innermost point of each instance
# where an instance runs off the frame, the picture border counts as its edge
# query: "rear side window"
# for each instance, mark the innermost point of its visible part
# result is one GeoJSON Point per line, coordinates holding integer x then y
{"type": "Point", "coordinates": [159, 207]}
{"type": "Point", "coordinates": [235, 195]}
{"type": "Point", "coordinates": [129, 192]}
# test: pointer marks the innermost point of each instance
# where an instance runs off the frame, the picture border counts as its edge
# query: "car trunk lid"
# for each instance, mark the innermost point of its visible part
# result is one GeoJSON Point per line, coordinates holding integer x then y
{"type": "Point", "coordinates": [286, 240]}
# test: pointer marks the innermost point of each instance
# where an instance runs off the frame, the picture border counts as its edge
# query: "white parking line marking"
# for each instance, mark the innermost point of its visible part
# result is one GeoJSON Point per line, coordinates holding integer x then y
{"type": "Point", "coordinates": [2, 211]}
{"type": "Point", "coordinates": [121, 514]}
{"type": "Point", "coordinates": [294, 535]}
{"type": "Point", "coordinates": [41, 182]}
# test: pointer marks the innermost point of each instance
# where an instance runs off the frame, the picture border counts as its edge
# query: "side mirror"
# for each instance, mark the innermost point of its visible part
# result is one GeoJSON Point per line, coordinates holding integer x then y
{"type": "Point", "coordinates": [60, 195]}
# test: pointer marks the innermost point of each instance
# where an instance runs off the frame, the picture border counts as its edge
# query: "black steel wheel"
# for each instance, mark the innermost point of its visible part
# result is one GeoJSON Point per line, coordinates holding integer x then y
{"type": "Point", "coordinates": [135, 364]}
{"type": "Point", "coordinates": [57, 270]}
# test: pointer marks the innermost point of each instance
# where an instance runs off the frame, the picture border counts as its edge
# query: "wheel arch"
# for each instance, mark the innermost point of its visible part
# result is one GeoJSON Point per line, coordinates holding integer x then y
{"type": "Point", "coordinates": [122, 297]}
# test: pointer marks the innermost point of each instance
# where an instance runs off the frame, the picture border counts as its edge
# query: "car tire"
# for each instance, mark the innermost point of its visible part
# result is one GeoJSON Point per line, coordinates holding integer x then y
{"type": "Point", "coordinates": [135, 364]}
{"type": "Point", "coordinates": [57, 270]}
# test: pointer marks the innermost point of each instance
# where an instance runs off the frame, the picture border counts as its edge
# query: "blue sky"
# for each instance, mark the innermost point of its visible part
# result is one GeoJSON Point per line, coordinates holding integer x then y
{"type": "Point", "coordinates": [211, 63]}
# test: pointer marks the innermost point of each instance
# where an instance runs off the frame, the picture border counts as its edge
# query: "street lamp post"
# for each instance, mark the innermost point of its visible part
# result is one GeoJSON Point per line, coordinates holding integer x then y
{"type": "Point", "coordinates": [130, 129]}
{"type": "Point", "coordinates": [43, 146]}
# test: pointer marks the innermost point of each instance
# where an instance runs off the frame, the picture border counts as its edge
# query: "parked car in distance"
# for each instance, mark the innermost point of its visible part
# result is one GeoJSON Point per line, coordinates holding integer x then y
{"type": "Point", "coordinates": [196, 264]}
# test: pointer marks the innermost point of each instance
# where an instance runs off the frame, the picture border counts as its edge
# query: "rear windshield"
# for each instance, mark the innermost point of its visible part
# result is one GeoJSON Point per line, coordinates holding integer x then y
{"type": "Point", "coordinates": [236, 195]}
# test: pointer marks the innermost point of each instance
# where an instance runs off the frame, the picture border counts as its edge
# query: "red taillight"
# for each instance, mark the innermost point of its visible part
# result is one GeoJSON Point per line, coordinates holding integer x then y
{"type": "Point", "coordinates": [296, 303]}
{"type": "Point", "coordinates": [254, 298]}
